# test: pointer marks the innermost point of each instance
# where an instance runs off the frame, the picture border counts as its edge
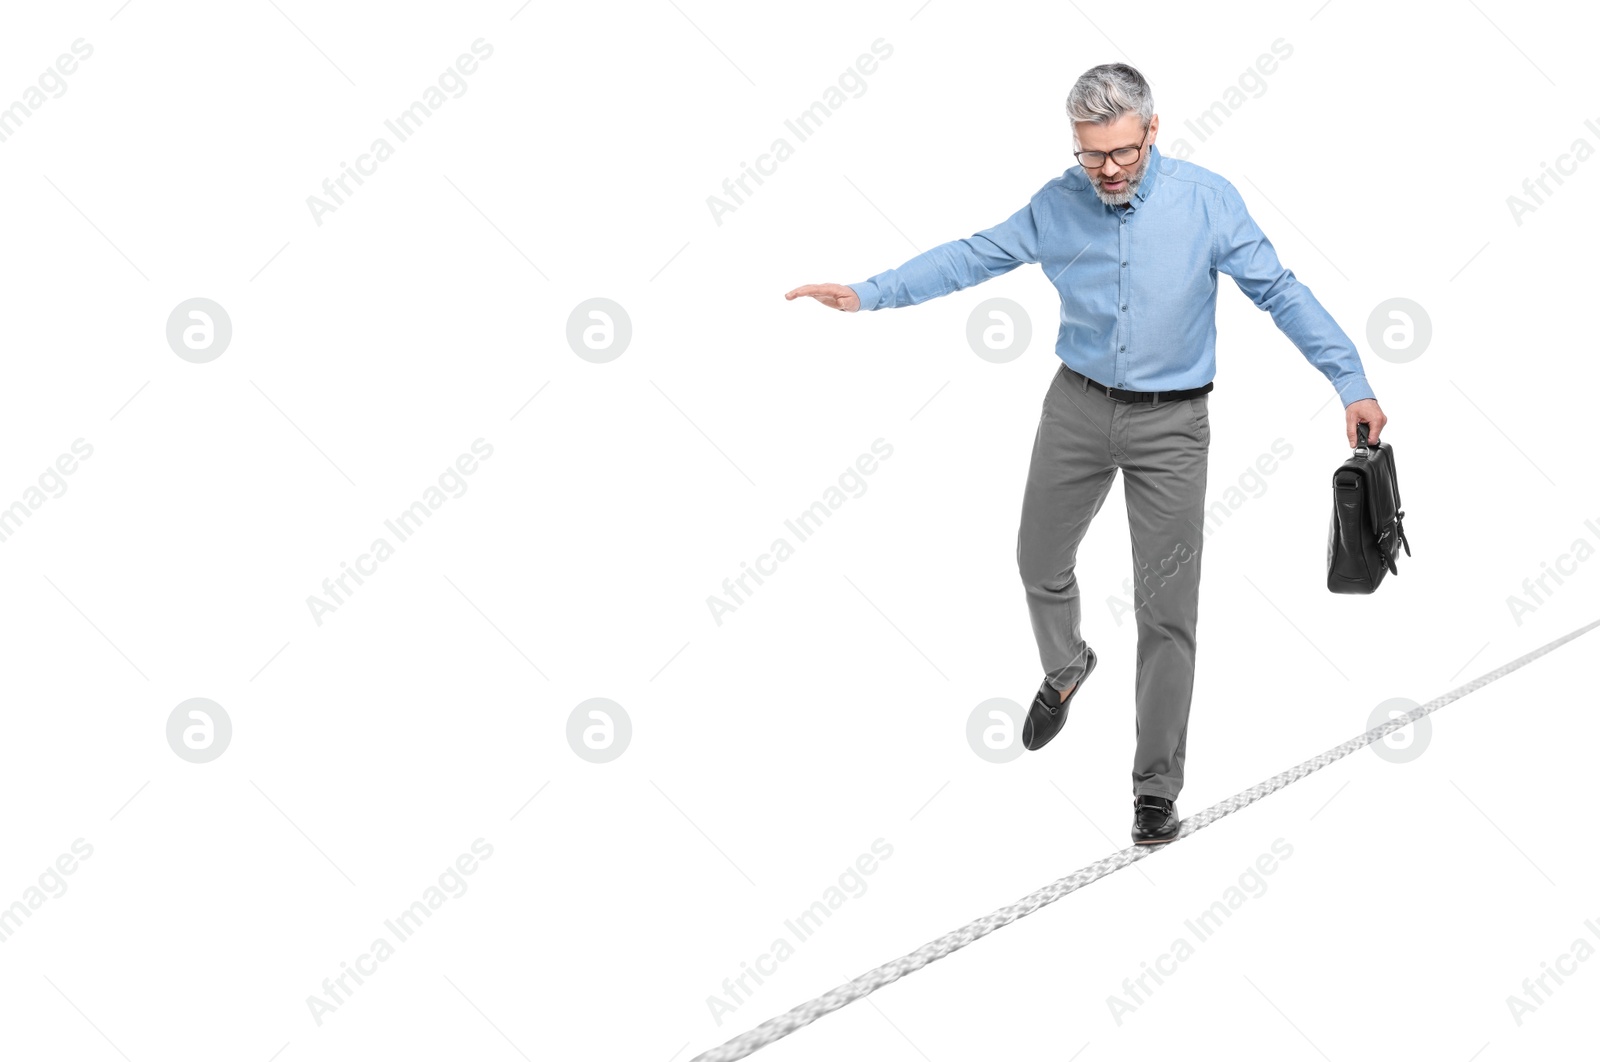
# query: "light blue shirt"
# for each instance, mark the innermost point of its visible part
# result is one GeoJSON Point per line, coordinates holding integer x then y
{"type": "Point", "coordinates": [1138, 283]}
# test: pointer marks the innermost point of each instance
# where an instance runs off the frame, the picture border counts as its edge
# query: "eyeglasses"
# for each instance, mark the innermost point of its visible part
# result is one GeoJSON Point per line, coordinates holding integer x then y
{"type": "Point", "coordinates": [1123, 156]}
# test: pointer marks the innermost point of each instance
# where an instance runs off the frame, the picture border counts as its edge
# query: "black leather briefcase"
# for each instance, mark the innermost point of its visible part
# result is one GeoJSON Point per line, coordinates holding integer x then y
{"type": "Point", "coordinates": [1365, 533]}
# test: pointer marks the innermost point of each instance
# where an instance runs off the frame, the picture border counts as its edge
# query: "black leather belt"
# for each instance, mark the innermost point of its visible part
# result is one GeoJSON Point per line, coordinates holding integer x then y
{"type": "Point", "coordinates": [1117, 394]}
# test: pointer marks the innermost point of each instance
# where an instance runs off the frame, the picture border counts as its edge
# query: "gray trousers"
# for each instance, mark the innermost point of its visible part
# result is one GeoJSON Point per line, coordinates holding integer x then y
{"type": "Point", "coordinates": [1084, 437]}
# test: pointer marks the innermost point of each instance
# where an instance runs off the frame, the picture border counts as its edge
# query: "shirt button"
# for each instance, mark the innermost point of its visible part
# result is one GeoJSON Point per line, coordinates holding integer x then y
{"type": "Point", "coordinates": [1124, 263]}
{"type": "Point", "coordinates": [1122, 348]}
{"type": "Point", "coordinates": [1124, 307]}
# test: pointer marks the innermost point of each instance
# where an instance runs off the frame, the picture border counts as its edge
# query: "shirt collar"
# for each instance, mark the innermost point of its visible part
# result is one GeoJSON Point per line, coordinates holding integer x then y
{"type": "Point", "coordinates": [1148, 183]}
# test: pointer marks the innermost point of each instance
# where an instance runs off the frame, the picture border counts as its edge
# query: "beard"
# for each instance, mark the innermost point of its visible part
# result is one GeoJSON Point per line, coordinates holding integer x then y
{"type": "Point", "coordinates": [1120, 198]}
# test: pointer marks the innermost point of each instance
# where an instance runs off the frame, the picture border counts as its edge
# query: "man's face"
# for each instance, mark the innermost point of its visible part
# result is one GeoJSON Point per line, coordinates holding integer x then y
{"type": "Point", "coordinates": [1115, 184]}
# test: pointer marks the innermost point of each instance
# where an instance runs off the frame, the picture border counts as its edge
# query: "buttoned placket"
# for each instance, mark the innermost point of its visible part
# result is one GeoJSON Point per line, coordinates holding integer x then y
{"type": "Point", "coordinates": [1124, 286]}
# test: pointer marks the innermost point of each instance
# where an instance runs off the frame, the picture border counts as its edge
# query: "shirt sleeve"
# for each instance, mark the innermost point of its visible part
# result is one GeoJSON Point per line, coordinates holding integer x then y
{"type": "Point", "coordinates": [955, 265]}
{"type": "Point", "coordinates": [1245, 254]}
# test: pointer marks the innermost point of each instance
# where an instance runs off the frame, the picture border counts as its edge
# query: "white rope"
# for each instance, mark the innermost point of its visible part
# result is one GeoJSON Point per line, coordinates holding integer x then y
{"type": "Point", "coordinates": [869, 982]}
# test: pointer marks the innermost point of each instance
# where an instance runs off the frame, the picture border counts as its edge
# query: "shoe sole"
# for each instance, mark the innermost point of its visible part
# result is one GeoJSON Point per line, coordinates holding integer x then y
{"type": "Point", "coordinates": [1066, 706]}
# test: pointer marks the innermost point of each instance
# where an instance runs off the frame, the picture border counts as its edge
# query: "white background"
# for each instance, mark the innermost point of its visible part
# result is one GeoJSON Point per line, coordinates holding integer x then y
{"type": "Point", "coordinates": [767, 752]}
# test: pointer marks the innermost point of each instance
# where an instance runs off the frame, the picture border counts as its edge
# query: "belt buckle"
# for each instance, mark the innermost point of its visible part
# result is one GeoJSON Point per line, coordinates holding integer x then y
{"type": "Point", "coordinates": [1113, 397]}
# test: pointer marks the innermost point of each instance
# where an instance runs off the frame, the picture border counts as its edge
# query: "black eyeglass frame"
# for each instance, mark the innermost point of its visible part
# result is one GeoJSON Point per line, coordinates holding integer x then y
{"type": "Point", "coordinates": [1137, 149]}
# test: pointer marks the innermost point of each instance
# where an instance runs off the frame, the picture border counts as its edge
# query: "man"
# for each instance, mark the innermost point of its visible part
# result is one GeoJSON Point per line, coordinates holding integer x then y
{"type": "Point", "coordinates": [1133, 241]}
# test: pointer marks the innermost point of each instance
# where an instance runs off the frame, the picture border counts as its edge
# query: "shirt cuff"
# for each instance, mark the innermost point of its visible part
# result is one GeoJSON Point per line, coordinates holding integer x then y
{"type": "Point", "coordinates": [867, 292]}
{"type": "Point", "coordinates": [1354, 389]}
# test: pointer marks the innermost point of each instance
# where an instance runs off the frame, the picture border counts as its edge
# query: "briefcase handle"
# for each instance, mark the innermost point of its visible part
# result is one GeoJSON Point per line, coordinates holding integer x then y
{"type": "Point", "coordinates": [1361, 438]}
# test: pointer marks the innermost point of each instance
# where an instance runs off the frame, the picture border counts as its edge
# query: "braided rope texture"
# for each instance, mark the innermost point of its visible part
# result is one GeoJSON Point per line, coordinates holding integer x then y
{"type": "Point", "coordinates": [806, 1013]}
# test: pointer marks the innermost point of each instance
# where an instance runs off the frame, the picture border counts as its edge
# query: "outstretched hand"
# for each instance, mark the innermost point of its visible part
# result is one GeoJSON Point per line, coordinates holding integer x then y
{"type": "Point", "coordinates": [1365, 410]}
{"type": "Point", "coordinates": [833, 296]}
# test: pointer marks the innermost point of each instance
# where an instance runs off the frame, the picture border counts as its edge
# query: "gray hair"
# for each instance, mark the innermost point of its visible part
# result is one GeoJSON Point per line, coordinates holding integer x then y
{"type": "Point", "coordinates": [1106, 92]}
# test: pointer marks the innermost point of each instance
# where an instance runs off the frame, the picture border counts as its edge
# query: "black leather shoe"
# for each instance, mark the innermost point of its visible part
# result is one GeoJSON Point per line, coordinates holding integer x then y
{"type": "Point", "coordinates": [1155, 819]}
{"type": "Point", "coordinates": [1049, 711]}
